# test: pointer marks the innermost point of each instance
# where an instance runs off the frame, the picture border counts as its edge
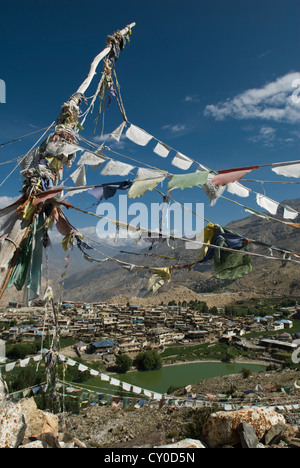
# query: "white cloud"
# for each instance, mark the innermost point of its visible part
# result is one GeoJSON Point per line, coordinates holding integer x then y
{"type": "Point", "coordinates": [266, 136]}
{"type": "Point", "coordinates": [175, 128]}
{"type": "Point", "coordinates": [6, 201]}
{"type": "Point", "coordinates": [192, 98]}
{"type": "Point", "coordinates": [273, 102]}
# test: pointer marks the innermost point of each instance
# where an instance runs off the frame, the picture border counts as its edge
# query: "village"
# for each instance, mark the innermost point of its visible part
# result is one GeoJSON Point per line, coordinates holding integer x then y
{"type": "Point", "coordinates": [103, 330]}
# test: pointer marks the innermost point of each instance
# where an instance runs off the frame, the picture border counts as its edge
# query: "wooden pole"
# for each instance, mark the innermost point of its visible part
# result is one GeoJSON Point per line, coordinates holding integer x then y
{"type": "Point", "coordinates": [9, 250]}
{"type": "Point", "coordinates": [84, 86]}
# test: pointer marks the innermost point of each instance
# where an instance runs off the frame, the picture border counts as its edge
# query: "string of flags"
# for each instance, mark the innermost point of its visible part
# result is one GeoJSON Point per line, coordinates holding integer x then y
{"type": "Point", "coordinates": [129, 394]}
{"type": "Point", "coordinates": [43, 199]}
{"type": "Point", "coordinates": [214, 183]}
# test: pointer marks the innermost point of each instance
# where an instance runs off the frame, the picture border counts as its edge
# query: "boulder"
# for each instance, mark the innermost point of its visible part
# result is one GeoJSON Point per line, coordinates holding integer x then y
{"type": "Point", "coordinates": [224, 428]}
{"type": "Point", "coordinates": [12, 424]}
{"type": "Point", "coordinates": [248, 436]}
{"type": "Point", "coordinates": [184, 444]}
{"type": "Point", "coordinates": [38, 422]}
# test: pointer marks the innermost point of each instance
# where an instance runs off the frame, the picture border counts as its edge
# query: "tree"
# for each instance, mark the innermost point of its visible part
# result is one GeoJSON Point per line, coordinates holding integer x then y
{"type": "Point", "coordinates": [123, 363]}
{"type": "Point", "coordinates": [148, 360]}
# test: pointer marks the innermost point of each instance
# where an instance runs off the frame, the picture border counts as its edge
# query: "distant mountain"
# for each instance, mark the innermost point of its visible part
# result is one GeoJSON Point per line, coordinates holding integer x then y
{"type": "Point", "coordinates": [91, 282]}
{"type": "Point", "coordinates": [105, 281]}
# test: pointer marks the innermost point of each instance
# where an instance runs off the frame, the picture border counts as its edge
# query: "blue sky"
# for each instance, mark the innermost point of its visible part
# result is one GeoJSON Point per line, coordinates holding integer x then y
{"type": "Point", "coordinates": [211, 79]}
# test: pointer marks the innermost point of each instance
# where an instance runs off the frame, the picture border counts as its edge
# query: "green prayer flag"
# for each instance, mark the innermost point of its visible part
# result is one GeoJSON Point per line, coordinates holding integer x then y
{"type": "Point", "coordinates": [190, 180]}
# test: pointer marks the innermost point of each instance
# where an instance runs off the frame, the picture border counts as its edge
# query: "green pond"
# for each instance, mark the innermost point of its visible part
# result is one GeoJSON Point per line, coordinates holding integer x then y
{"type": "Point", "coordinates": [179, 375]}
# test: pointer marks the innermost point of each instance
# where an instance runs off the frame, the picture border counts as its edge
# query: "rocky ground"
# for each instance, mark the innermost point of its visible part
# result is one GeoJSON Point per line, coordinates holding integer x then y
{"type": "Point", "coordinates": [272, 423]}
{"type": "Point", "coordinates": [147, 427]}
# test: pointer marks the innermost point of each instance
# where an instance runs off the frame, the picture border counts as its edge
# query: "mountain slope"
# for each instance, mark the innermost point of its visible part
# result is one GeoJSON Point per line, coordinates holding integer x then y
{"type": "Point", "coordinates": [103, 282]}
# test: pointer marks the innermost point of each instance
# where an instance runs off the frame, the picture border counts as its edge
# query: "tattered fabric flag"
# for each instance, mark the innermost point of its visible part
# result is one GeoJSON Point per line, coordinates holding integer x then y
{"type": "Point", "coordinates": [287, 170]}
{"type": "Point", "coordinates": [92, 159]}
{"type": "Point", "coordinates": [212, 190]}
{"type": "Point", "coordinates": [24, 362]}
{"type": "Point", "coordinates": [58, 148]}
{"type": "Point", "coordinates": [228, 265]}
{"type": "Point", "coordinates": [34, 275]}
{"type": "Point", "coordinates": [148, 181]}
{"type": "Point", "coordinates": [162, 149]}
{"type": "Point", "coordinates": [126, 386]}
{"type": "Point", "coordinates": [44, 196]}
{"type": "Point", "coordinates": [71, 362]}
{"type": "Point", "coordinates": [30, 161]}
{"type": "Point", "coordinates": [270, 205]}
{"type": "Point", "coordinates": [182, 161]}
{"type": "Point", "coordinates": [137, 390]}
{"type": "Point", "coordinates": [82, 368]}
{"type": "Point", "coordinates": [207, 235]}
{"type": "Point", "coordinates": [145, 173]}
{"type": "Point", "coordinates": [158, 278]}
{"type": "Point", "coordinates": [155, 283]}
{"type": "Point", "coordinates": [115, 382]}
{"type": "Point", "coordinates": [62, 224]}
{"type": "Point", "coordinates": [138, 136]}
{"type": "Point", "coordinates": [229, 177]}
{"type": "Point", "coordinates": [162, 272]}
{"type": "Point", "coordinates": [289, 213]}
{"type": "Point", "coordinates": [117, 133]}
{"type": "Point", "coordinates": [109, 190]}
{"type": "Point", "coordinates": [48, 294]}
{"type": "Point", "coordinates": [105, 377]}
{"type": "Point", "coordinates": [185, 181]}
{"type": "Point", "coordinates": [79, 177]}
{"type": "Point", "coordinates": [238, 189]}
{"type": "Point", "coordinates": [116, 168]}
{"type": "Point", "coordinates": [9, 367]}
{"type": "Point", "coordinates": [237, 169]}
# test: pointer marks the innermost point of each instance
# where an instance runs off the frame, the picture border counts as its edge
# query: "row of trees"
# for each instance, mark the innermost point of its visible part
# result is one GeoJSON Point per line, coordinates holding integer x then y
{"type": "Point", "coordinates": [145, 360]}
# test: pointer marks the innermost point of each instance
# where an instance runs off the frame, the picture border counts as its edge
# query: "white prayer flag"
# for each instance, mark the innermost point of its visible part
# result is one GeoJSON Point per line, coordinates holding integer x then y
{"type": "Point", "coordinates": [126, 386]}
{"type": "Point", "coordinates": [270, 205]}
{"type": "Point", "coordinates": [162, 149]}
{"type": "Point", "coordinates": [105, 377]}
{"type": "Point", "coordinates": [79, 177]}
{"type": "Point", "coordinates": [182, 161]}
{"type": "Point", "coordinates": [94, 372]}
{"type": "Point", "coordinates": [24, 362]}
{"type": "Point", "coordinates": [82, 368]}
{"type": "Point", "coordinates": [48, 294]}
{"type": "Point", "coordinates": [10, 366]}
{"type": "Point", "coordinates": [117, 133]}
{"type": "Point", "coordinates": [70, 362]}
{"type": "Point", "coordinates": [144, 173]}
{"type": "Point", "coordinates": [138, 136]}
{"type": "Point", "coordinates": [37, 358]}
{"type": "Point", "coordinates": [115, 382]}
{"type": "Point", "coordinates": [238, 189]}
{"type": "Point", "coordinates": [136, 389]}
{"type": "Point", "coordinates": [289, 213]}
{"type": "Point", "coordinates": [91, 159]}
{"type": "Point", "coordinates": [116, 168]}
{"type": "Point", "coordinates": [291, 170]}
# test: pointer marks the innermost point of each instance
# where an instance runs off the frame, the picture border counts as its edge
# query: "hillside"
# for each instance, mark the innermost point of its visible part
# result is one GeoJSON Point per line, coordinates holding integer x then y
{"type": "Point", "coordinates": [92, 282]}
{"type": "Point", "coordinates": [269, 277]}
